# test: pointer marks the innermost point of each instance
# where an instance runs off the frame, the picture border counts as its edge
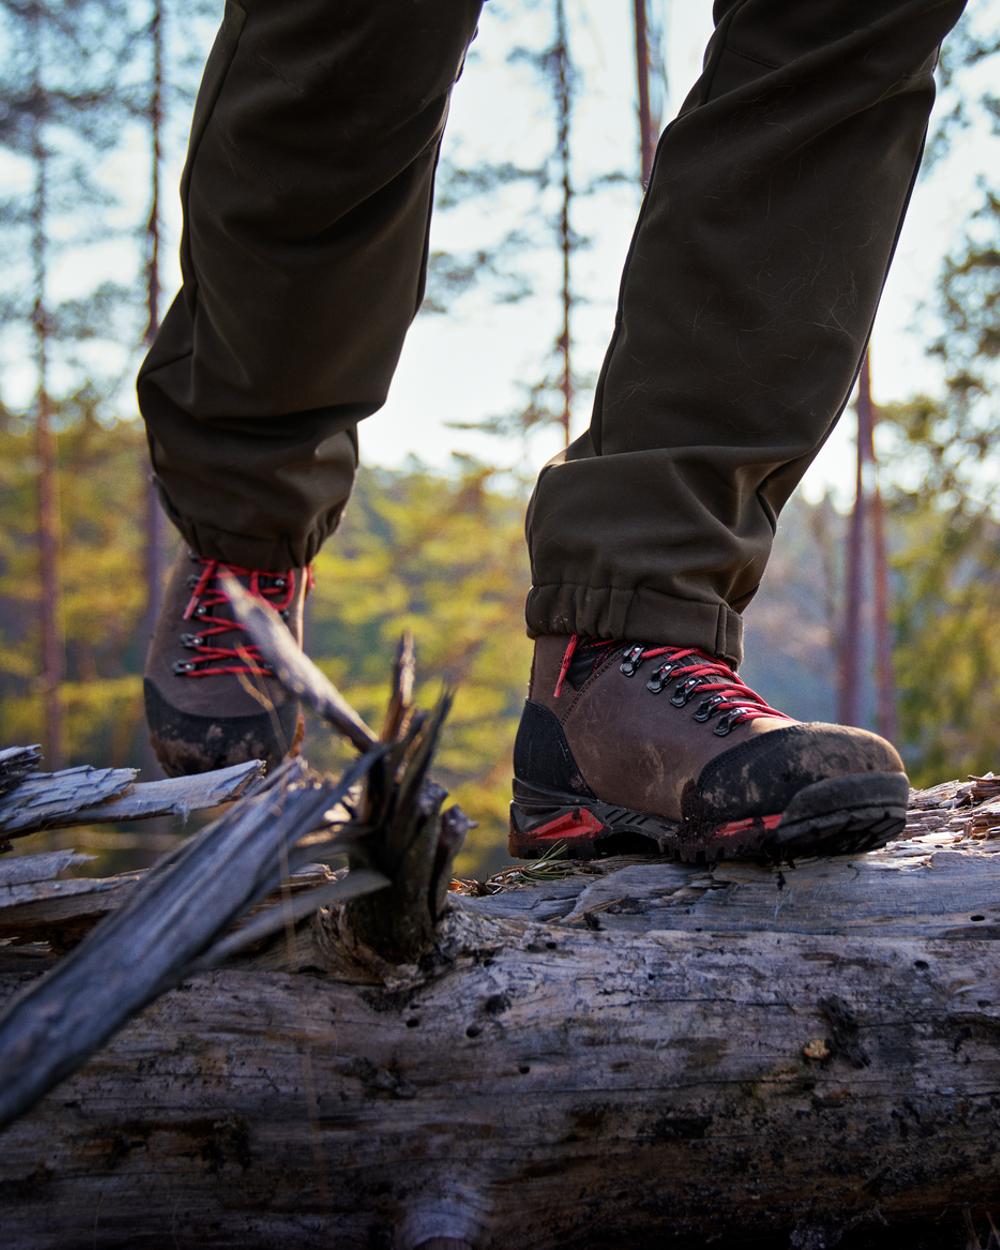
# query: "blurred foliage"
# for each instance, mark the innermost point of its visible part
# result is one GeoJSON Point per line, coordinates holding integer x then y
{"type": "Point", "coordinates": [100, 484]}
{"type": "Point", "coordinates": [946, 595]}
{"type": "Point", "coordinates": [444, 558]}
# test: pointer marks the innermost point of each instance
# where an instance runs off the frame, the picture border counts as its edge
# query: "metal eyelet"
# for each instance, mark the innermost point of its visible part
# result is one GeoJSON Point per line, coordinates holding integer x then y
{"type": "Point", "coordinates": [183, 666]}
{"type": "Point", "coordinates": [732, 720]}
{"type": "Point", "coordinates": [278, 582]}
{"type": "Point", "coordinates": [191, 640]}
{"type": "Point", "coordinates": [685, 691]}
{"type": "Point", "coordinates": [200, 610]}
{"type": "Point", "coordinates": [707, 709]}
{"type": "Point", "coordinates": [659, 677]}
{"type": "Point", "coordinates": [631, 661]}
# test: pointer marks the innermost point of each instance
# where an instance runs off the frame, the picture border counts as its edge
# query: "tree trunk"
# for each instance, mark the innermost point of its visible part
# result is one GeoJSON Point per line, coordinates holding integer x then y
{"type": "Point", "coordinates": [885, 712]}
{"type": "Point", "coordinates": [564, 112]}
{"type": "Point", "coordinates": [49, 578]}
{"type": "Point", "coordinates": [647, 131]}
{"type": "Point", "coordinates": [155, 526]}
{"type": "Point", "coordinates": [617, 1054]}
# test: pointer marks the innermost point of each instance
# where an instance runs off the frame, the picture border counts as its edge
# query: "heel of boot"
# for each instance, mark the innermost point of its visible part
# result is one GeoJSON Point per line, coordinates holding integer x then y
{"type": "Point", "coordinates": [542, 820]}
{"type": "Point", "coordinates": [537, 829]}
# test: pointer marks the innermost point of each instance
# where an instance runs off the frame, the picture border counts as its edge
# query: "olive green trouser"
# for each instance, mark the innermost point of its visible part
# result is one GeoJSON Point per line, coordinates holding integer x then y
{"type": "Point", "coordinates": [749, 291]}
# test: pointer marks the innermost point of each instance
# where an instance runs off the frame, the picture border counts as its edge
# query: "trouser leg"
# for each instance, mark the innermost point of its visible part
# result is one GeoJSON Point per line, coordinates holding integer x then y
{"type": "Point", "coordinates": [306, 195]}
{"type": "Point", "coordinates": [748, 296]}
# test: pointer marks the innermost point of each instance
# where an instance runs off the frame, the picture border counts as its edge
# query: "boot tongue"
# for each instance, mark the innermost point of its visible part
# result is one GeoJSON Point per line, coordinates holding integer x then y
{"type": "Point", "coordinates": [592, 651]}
{"type": "Point", "coordinates": [589, 652]}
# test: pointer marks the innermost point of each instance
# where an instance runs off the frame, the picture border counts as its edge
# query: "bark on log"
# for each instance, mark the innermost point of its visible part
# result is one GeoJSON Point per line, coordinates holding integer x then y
{"type": "Point", "coordinates": [673, 1053]}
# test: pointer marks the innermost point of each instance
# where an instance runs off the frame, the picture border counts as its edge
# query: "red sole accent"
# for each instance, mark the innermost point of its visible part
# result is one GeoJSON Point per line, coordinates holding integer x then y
{"type": "Point", "coordinates": [570, 825]}
{"type": "Point", "coordinates": [733, 827]}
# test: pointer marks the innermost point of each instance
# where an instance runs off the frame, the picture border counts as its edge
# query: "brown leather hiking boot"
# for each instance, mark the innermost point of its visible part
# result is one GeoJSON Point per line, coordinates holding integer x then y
{"type": "Point", "coordinates": [211, 700]}
{"type": "Point", "coordinates": [621, 745]}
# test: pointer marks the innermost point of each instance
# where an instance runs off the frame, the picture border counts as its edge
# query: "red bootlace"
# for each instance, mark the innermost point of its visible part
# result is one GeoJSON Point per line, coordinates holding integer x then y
{"type": "Point", "coordinates": [709, 676]}
{"type": "Point", "coordinates": [207, 597]}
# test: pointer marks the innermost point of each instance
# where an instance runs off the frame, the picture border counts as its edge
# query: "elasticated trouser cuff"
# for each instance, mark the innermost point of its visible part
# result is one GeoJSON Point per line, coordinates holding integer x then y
{"type": "Point", "coordinates": [643, 615]}
{"type": "Point", "coordinates": [247, 550]}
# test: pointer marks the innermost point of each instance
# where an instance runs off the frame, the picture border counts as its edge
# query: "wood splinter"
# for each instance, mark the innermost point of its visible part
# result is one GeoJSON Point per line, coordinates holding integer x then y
{"type": "Point", "coordinates": [403, 832]}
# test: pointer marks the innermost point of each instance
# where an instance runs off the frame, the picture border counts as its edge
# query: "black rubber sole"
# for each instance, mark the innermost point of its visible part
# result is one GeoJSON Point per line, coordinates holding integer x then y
{"type": "Point", "coordinates": [837, 816]}
{"type": "Point", "coordinates": [186, 744]}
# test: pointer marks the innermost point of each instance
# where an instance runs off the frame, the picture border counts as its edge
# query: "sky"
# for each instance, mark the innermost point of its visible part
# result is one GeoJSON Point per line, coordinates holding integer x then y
{"type": "Point", "coordinates": [471, 364]}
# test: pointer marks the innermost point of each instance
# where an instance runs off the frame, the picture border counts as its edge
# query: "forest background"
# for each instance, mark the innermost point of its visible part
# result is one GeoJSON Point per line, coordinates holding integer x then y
{"type": "Point", "coordinates": [539, 185]}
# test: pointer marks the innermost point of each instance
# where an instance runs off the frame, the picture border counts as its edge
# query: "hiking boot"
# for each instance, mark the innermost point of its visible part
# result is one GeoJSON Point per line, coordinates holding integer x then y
{"type": "Point", "coordinates": [211, 700]}
{"type": "Point", "coordinates": [628, 748]}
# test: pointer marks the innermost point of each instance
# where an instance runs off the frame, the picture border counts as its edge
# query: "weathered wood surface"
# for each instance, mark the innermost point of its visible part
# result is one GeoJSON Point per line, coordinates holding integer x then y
{"type": "Point", "coordinates": [32, 869]}
{"type": "Point", "coordinates": [42, 800]}
{"type": "Point", "coordinates": [168, 924]}
{"type": "Point", "coordinates": [384, 813]}
{"type": "Point", "coordinates": [915, 888]}
{"type": "Point", "coordinates": [86, 795]}
{"type": "Point", "coordinates": [673, 1053]}
{"type": "Point", "coordinates": [540, 1085]}
{"type": "Point", "coordinates": [16, 763]}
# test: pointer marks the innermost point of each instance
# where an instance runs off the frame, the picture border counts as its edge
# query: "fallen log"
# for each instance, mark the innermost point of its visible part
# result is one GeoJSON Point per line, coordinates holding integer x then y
{"type": "Point", "coordinates": [625, 1053]}
{"type": "Point", "coordinates": [550, 1083]}
{"type": "Point", "coordinates": [671, 1051]}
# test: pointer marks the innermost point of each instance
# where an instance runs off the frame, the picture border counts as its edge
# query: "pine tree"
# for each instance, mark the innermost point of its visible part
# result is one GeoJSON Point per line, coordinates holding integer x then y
{"type": "Point", "coordinates": [58, 84]}
{"type": "Point", "coordinates": [944, 490]}
{"type": "Point", "coordinates": [155, 522]}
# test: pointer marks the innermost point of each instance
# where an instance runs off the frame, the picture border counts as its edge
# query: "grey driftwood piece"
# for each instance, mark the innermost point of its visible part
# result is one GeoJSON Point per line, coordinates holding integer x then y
{"type": "Point", "coordinates": [16, 763]}
{"type": "Point", "coordinates": [85, 795]}
{"type": "Point", "coordinates": [174, 796]}
{"type": "Point", "coordinates": [49, 800]}
{"type": "Point", "coordinates": [812, 1055]}
{"type": "Point", "coordinates": [180, 908]}
{"type": "Point", "coordinates": [32, 869]}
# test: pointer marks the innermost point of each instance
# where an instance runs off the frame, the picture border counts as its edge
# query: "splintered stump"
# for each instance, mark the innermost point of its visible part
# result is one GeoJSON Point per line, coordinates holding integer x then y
{"type": "Point", "coordinates": [629, 1053]}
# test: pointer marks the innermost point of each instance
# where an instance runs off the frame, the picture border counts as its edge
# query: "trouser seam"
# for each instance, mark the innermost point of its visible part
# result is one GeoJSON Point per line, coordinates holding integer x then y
{"type": "Point", "coordinates": [754, 60]}
{"type": "Point", "coordinates": [634, 590]}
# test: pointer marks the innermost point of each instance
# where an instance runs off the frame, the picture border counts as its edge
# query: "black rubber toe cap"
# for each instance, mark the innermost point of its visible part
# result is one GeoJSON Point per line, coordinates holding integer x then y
{"type": "Point", "coordinates": [186, 744]}
{"type": "Point", "coordinates": [762, 775]}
